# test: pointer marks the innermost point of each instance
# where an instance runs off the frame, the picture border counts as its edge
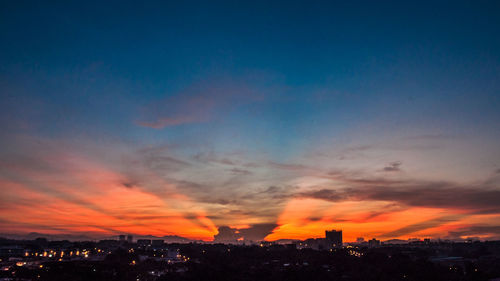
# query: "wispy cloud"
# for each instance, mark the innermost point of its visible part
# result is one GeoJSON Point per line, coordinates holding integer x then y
{"type": "Point", "coordinates": [478, 231]}
{"type": "Point", "coordinates": [161, 123]}
{"type": "Point", "coordinates": [63, 192]}
{"type": "Point", "coordinates": [412, 228]}
{"type": "Point", "coordinates": [393, 167]}
{"type": "Point", "coordinates": [477, 199]}
{"type": "Point", "coordinates": [211, 157]}
{"type": "Point", "coordinates": [238, 171]}
{"type": "Point", "coordinates": [164, 190]}
{"type": "Point", "coordinates": [198, 103]}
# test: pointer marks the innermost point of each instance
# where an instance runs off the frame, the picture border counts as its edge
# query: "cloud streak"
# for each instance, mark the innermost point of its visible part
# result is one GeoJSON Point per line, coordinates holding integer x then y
{"type": "Point", "coordinates": [416, 227]}
{"type": "Point", "coordinates": [198, 103]}
{"type": "Point", "coordinates": [479, 199]}
{"type": "Point", "coordinates": [393, 167]}
{"type": "Point", "coordinates": [162, 190]}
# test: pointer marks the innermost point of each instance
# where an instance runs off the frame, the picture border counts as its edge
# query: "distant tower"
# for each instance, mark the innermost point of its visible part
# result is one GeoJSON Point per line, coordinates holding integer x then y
{"type": "Point", "coordinates": [373, 243]}
{"type": "Point", "coordinates": [122, 238]}
{"type": "Point", "coordinates": [334, 237]}
{"type": "Point", "coordinates": [129, 238]}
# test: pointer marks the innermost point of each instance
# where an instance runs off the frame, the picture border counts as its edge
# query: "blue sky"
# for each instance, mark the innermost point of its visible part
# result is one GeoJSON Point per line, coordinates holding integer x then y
{"type": "Point", "coordinates": [251, 95]}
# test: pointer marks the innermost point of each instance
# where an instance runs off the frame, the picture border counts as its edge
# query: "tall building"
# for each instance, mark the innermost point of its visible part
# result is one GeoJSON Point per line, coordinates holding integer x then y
{"type": "Point", "coordinates": [129, 238]}
{"type": "Point", "coordinates": [373, 243]}
{"type": "Point", "coordinates": [122, 238]}
{"type": "Point", "coordinates": [334, 237]}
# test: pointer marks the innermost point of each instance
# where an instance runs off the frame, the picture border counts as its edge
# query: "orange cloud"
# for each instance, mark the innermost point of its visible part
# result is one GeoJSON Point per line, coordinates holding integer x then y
{"type": "Point", "coordinates": [88, 198]}
{"type": "Point", "coordinates": [309, 218]}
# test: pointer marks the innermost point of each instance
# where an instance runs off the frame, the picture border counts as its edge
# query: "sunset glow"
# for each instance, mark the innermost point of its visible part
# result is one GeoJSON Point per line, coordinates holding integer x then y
{"type": "Point", "coordinates": [252, 122]}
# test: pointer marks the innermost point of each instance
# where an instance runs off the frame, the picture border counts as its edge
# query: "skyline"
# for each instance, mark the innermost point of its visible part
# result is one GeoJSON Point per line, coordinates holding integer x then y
{"type": "Point", "coordinates": [261, 120]}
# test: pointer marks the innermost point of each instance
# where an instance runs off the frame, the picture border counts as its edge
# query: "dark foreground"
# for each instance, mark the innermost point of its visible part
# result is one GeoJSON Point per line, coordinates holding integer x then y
{"type": "Point", "coordinates": [437, 261]}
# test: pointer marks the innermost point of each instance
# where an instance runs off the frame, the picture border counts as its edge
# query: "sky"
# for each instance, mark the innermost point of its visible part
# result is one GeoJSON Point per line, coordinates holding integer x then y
{"type": "Point", "coordinates": [250, 120]}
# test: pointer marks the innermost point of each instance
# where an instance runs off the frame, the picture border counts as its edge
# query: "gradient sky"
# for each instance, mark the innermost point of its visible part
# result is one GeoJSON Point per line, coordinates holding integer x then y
{"type": "Point", "coordinates": [251, 119]}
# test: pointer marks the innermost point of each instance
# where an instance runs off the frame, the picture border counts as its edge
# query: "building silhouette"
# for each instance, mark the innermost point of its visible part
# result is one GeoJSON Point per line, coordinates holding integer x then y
{"type": "Point", "coordinates": [334, 237]}
{"type": "Point", "coordinates": [144, 242]}
{"type": "Point", "coordinates": [373, 243]}
{"type": "Point", "coordinates": [157, 243]}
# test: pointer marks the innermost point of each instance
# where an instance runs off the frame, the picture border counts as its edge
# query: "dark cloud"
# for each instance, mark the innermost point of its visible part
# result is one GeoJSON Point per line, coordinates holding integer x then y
{"type": "Point", "coordinates": [422, 226]}
{"type": "Point", "coordinates": [256, 232]}
{"type": "Point", "coordinates": [439, 196]}
{"type": "Point", "coordinates": [393, 167]}
{"type": "Point", "coordinates": [490, 231]}
{"type": "Point", "coordinates": [273, 192]}
{"type": "Point", "coordinates": [223, 201]}
{"type": "Point", "coordinates": [211, 157]}
{"type": "Point", "coordinates": [226, 161]}
{"type": "Point", "coordinates": [240, 171]}
{"type": "Point", "coordinates": [158, 161]}
{"type": "Point", "coordinates": [189, 185]}
{"type": "Point", "coordinates": [220, 201]}
{"type": "Point", "coordinates": [475, 198]}
{"type": "Point", "coordinates": [326, 194]}
{"type": "Point", "coordinates": [288, 167]}
{"type": "Point", "coordinates": [226, 234]}
{"type": "Point", "coordinates": [129, 184]}
{"type": "Point", "coordinates": [164, 163]}
{"type": "Point", "coordinates": [357, 178]}
{"type": "Point", "coordinates": [251, 165]}
{"type": "Point", "coordinates": [273, 189]}
{"type": "Point", "coordinates": [387, 209]}
{"type": "Point", "coordinates": [430, 137]}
